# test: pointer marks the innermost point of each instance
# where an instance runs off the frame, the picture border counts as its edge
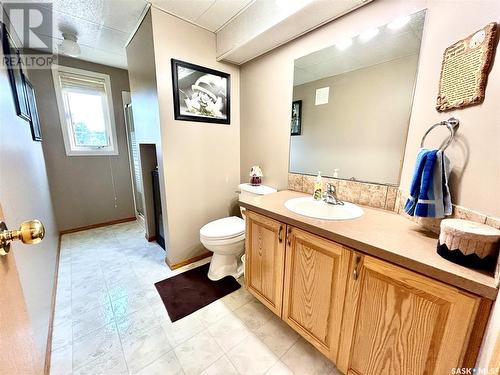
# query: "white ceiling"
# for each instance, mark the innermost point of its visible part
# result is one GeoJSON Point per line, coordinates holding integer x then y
{"type": "Point", "coordinates": [386, 46]}
{"type": "Point", "coordinates": [103, 27]}
{"type": "Point", "coordinates": [209, 14]}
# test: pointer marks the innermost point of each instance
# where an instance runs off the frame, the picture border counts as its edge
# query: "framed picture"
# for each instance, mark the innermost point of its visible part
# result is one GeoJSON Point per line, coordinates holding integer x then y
{"type": "Point", "coordinates": [36, 132]}
{"type": "Point", "coordinates": [15, 72]}
{"type": "Point", "coordinates": [200, 94]}
{"type": "Point", "coordinates": [296, 123]}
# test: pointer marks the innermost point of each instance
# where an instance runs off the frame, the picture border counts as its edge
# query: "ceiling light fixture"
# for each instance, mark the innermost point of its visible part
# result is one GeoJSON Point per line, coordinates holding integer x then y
{"type": "Point", "coordinates": [69, 46]}
{"type": "Point", "coordinates": [366, 35]}
{"type": "Point", "coordinates": [399, 22]}
{"type": "Point", "coordinates": [343, 43]}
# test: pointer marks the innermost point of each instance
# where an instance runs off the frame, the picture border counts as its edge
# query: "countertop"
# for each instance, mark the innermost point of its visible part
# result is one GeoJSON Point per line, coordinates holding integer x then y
{"type": "Point", "coordinates": [382, 234]}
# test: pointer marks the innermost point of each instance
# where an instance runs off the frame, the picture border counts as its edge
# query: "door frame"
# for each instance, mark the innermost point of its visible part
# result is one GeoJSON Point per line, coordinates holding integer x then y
{"type": "Point", "coordinates": [127, 102]}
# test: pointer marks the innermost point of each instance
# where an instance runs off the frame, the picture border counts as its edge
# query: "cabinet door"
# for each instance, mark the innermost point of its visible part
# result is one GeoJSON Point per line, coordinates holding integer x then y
{"type": "Point", "coordinates": [315, 280]}
{"type": "Point", "coordinates": [400, 322]}
{"type": "Point", "coordinates": [265, 259]}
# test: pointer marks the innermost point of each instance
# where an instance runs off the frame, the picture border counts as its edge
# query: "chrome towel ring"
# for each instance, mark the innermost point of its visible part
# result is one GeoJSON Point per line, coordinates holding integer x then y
{"type": "Point", "coordinates": [452, 124]}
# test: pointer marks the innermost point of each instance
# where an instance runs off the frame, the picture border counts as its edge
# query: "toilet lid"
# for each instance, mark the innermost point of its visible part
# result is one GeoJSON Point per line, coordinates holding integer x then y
{"type": "Point", "coordinates": [259, 190]}
{"type": "Point", "coordinates": [227, 227]}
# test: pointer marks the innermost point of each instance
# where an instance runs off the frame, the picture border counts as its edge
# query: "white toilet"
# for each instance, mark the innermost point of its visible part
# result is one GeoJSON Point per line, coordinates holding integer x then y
{"type": "Point", "coordinates": [226, 238]}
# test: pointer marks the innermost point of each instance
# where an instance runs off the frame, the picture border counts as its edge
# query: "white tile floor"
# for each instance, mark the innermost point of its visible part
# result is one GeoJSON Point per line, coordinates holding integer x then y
{"type": "Point", "coordinates": [109, 318]}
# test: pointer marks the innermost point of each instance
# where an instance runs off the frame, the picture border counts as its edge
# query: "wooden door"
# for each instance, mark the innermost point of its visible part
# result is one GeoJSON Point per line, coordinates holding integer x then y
{"type": "Point", "coordinates": [400, 322]}
{"type": "Point", "coordinates": [17, 350]}
{"type": "Point", "coordinates": [265, 259]}
{"type": "Point", "coordinates": [315, 281]}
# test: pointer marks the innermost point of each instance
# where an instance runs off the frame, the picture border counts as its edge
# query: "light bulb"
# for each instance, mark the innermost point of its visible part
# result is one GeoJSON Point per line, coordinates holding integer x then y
{"type": "Point", "coordinates": [69, 46]}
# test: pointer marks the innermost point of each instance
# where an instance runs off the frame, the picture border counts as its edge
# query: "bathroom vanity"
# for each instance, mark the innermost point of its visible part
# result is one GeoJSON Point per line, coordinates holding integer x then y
{"type": "Point", "coordinates": [371, 293]}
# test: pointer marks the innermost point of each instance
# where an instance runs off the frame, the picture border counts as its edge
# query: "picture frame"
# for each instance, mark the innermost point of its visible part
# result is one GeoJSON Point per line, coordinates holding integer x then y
{"type": "Point", "coordinates": [465, 69]}
{"type": "Point", "coordinates": [15, 73]}
{"type": "Point", "coordinates": [200, 94]}
{"type": "Point", "coordinates": [36, 132]}
{"type": "Point", "coordinates": [296, 120]}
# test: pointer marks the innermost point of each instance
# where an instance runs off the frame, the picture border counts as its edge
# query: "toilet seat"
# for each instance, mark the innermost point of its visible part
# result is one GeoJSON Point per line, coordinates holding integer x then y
{"type": "Point", "coordinates": [222, 242]}
{"type": "Point", "coordinates": [225, 230]}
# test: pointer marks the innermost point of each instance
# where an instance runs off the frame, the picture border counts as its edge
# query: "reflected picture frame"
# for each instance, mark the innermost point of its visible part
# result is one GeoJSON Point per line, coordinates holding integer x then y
{"type": "Point", "coordinates": [296, 119]}
{"type": "Point", "coordinates": [12, 60]}
{"type": "Point", "coordinates": [197, 89]}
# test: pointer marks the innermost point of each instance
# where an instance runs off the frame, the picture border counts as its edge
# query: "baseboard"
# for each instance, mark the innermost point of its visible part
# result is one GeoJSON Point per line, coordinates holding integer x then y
{"type": "Point", "coordinates": [174, 266]}
{"type": "Point", "coordinates": [93, 226]}
{"type": "Point", "coordinates": [48, 351]}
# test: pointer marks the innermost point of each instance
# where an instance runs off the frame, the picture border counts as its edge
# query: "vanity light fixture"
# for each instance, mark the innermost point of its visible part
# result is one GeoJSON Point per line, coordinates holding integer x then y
{"type": "Point", "coordinates": [343, 43]}
{"type": "Point", "coordinates": [399, 22]}
{"type": "Point", "coordinates": [366, 35]}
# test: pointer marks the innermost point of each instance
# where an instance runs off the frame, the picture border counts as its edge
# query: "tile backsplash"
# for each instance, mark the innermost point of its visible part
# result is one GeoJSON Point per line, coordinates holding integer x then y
{"type": "Point", "coordinates": [373, 195]}
{"type": "Point", "coordinates": [459, 212]}
{"type": "Point", "coordinates": [385, 197]}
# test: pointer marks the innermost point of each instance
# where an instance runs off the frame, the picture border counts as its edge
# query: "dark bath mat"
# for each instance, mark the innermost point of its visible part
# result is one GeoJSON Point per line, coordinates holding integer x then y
{"type": "Point", "coordinates": [190, 291]}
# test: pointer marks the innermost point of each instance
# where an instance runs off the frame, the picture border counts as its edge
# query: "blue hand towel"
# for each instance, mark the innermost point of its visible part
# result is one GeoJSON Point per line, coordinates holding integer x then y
{"type": "Point", "coordinates": [429, 191]}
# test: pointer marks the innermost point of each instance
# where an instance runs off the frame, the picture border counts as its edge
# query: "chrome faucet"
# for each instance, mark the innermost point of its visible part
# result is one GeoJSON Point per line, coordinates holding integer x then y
{"type": "Point", "coordinates": [330, 195]}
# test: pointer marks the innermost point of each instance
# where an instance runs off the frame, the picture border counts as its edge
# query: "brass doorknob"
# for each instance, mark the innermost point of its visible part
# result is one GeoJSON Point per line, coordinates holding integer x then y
{"type": "Point", "coordinates": [30, 232]}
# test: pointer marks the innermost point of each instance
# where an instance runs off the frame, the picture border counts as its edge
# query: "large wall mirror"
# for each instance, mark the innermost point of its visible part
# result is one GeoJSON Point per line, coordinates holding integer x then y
{"type": "Point", "coordinates": [352, 102]}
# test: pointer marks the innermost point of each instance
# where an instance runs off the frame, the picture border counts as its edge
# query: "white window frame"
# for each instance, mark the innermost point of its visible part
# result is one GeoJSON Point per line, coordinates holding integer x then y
{"type": "Point", "coordinates": [109, 118]}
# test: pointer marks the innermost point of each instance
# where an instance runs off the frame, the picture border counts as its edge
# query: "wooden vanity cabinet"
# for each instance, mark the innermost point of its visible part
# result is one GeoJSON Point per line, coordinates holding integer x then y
{"type": "Point", "coordinates": [368, 316]}
{"type": "Point", "coordinates": [316, 273]}
{"type": "Point", "coordinates": [399, 322]}
{"type": "Point", "coordinates": [265, 259]}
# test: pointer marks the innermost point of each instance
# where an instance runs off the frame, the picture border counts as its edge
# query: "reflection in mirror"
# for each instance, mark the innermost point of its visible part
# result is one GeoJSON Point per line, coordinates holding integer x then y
{"type": "Point", "coordinates": [356, 99]}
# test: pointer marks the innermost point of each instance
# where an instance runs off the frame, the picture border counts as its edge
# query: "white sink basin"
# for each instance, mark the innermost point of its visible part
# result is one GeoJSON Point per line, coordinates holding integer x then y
{"type": "Point", "coordinates": [307, 206]}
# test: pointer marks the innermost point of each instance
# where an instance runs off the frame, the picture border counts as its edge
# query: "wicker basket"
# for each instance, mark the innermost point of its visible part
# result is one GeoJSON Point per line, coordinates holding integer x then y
{"type": "Point", "coordinates": [468, 243]}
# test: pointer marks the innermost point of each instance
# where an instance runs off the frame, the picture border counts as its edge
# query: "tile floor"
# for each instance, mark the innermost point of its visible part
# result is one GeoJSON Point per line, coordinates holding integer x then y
{"type": "Point", "coordinates": [109, 319]}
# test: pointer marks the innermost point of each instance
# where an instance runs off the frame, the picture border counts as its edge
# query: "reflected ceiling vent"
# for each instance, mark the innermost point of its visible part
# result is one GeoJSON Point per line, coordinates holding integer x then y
{"type": "Point", "coordinates": [69, 45]}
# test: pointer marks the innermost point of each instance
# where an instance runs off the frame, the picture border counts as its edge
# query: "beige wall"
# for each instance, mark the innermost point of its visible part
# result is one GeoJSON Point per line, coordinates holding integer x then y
{"type": "Point", "coordinates": [200, 160]}
{"type": "Point", "coordinates": [362, 129]}
{"type": "Point", "coordinates": [267, 87]}
{"type": "Point", "coordinates": [475, 178]}
{"type": "Point", "coordinates": [266, 94]}
{"type": "Point", "coordinates": [82, 186]}
{"type": "Point", "coordinates": [24, 195]}
{"type": "Point", "coordinates": [142, 75]}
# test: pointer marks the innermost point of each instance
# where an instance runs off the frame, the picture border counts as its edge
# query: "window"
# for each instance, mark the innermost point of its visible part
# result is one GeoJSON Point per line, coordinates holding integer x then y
{"type": "Point", "coordinates": [86, 111]}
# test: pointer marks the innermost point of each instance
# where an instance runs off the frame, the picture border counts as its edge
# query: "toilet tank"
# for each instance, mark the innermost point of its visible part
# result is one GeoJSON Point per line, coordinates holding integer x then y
{"type": "Point", "coordinates": [247, 189]}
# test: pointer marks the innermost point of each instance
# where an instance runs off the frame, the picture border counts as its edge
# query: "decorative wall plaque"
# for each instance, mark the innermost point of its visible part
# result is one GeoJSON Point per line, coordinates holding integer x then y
{"type": "Point", "coordinates": [465, 69]}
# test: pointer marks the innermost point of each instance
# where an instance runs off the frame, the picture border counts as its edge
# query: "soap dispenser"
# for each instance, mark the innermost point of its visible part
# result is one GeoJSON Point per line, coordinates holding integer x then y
{"type": "Point", "coordinates": [318, 187]}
